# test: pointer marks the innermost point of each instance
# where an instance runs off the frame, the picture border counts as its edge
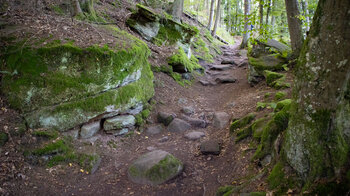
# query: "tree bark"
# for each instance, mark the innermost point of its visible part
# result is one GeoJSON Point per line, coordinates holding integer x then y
{"type": "Point", "coordinates": [317, 141]}
{"type": "Point", "coordinates": [294, 26]}
{"type": "Point", "coordinates": [261, 13]}
{"type": "Point", "coordinates": [76, 7]}
{"type": "Point", "coordinates": [177, 10]}
{"type": "Point", "coordinates": [246, 25]}
{"type": "Point", "coordinates": [211, 15]}
{"type": "Point", "coordinates": [217, 18]}
{"type": "Point", "coordinates": [268, 12]}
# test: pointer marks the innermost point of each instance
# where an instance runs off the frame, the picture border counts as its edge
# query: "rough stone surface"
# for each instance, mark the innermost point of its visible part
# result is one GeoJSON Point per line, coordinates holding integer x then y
{"type": "Point", "coordinates": [72, 133]}
{"type": "Point", "coordinates": [225, 79]}
{"type": "Point", "coordinates": [155, 167]}
{"type": "Point", "coordinates": [228, 61]}
{"type": "Point", "coordinates": [195, 122]}
{"type": "Point", "coordinates": [120, 132]}
{"type": "Point", "coordinates": [178, 125]}
{"type": "Point", "coordinates": [135, 110]}
{"type": "Point", "coordinates": [195, 135]}
{"type": "Point", "coordinates": [155, 129]}
{"type": "Point", "coordinates": [89, 130]}
{"type": "Point", "coordinates": [220, 67]}
{"type": "Point", "coordinates": [165, 118]}
{"type": "Point", "coordinates": [119, 122]}
{"type": "Point", "coordinates": [220, 119]}
{"type": "Point", "coordinates": [188, 110]}
{"type": "Point", "coordinates": [210, 147]}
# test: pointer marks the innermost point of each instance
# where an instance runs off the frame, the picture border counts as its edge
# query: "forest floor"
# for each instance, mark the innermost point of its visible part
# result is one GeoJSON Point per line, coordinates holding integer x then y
{"type": "Point", "coordinates": [202, 174]}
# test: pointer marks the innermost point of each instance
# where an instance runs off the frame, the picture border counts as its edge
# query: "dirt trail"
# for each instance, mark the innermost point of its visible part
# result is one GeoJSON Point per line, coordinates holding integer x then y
{"type": "Point", "coordinates": [202, 174]}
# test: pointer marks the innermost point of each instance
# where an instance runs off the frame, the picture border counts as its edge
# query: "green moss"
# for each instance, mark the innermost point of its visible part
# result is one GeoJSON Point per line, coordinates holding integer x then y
{"type": "Point", "coordinates": [52, 148]}
{"type": "Point", "coordinates": [257, 194]}
{"type": "Point", "coordinates": [267, 95]}
{"type": "Point", "coordinates": [3, 139]}
{"type": "Point", "coordinates": [282, 104]}
{"type": "Point", "coordinates": [202, 50]}
{"type": "Point", "coordinates": [242, 122]}
{"type": "Point", "coordinates": [208, 35]}
{"type": "Point", "coordinates": [165, 168]}
{"type": "Point", "coordinates": [180, 61]}
{"type": "Point", "coordinates": [258, 126]}
{"type": "Point", "coordinates": [225, 191]}
{"type": "Point", "coordinates": [244, 133]}
{"type": "Point", "coordinates": [145, 113]}
{"type": "Point", "coordinates": [272, 76]}
{"type": "Point", "coordinates": [57, 9]}
{"type": "Point", "coordinates": [279, 95]}
{"type": "Point", "coordinates": [50, 134]}
{"type": "Point", "coordinates": [261, 64]}
{"type": "Point", "coordinates": [276, 176]}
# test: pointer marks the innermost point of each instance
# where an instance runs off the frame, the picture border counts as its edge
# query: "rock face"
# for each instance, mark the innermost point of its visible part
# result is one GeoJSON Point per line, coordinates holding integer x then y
{"type": "Point", "coordinates": [119, 122]}
{"type": "Point", "coordinates": [64, 86]}
{"type": "Point", "coordinates": [178, 125]}
{"type": "Point", "coordinates": [89, 130]}
{"type": "Point", "coordinates": [154, 168]}
{"type": "Point", "coordinates": [220, 119]}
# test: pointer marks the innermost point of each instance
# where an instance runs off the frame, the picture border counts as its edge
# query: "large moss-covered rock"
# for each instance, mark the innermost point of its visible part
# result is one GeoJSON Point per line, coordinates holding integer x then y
{"type": "Point", "coordinates": [154, 168]}
{"type": "Point", "coordinates": [181, 63]}
{"type": "Point", "coordinates": [61, 85]}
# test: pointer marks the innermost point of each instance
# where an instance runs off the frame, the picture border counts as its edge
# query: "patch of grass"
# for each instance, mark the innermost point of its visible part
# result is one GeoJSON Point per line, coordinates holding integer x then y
{"type": "Point", "coordinates": [50, 134]}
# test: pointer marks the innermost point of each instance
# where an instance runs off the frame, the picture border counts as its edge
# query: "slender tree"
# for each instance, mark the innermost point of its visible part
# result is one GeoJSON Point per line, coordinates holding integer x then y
{"type": "Point", "coordinates": [211, 15]}
{"type": "Point", "coordinates": [246, 24]}
{"type": "Point", "coordinates": [268, 12]}
{"type": "Point", "coordinates": [261, 13]}
{"type": "Point", "coordinates": [177, 10]}
{"type": "Point", "coordinates": [217, 18]}
{"type": "Point", "coordinates": [76, 7]}
{"type": "Point", "coordinates": [294, 26]}
{"type": "Point", "coordinates": [317, 142]}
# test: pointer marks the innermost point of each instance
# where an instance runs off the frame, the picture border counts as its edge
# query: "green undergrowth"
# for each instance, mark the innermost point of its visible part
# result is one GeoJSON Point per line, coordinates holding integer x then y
{"type": "Point", "coordinates": [62, 151]}
{"type": "Point", "coordinates": [202, 50]}
{"type": "Point", "coordinates": [276, 80]}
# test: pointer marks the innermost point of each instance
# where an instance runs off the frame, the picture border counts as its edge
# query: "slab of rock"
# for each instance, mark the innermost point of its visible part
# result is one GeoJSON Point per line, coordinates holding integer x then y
{"type": "Point", "coordinates": [178, 125]}
{"type": "Point", "coordinates": [155, 129]}
{"type": "Point", "coordinates": [165, 118]}
{"type": "Point", "coordinates": [155, 167]}
{"type": "Point", "coordinates": [220, 67]}
{"type": "Point", "coordinates": [220, 119]}
{"type": "Point", "coordinates": [72, 133]}
{"type": "Point", "coordinates": [194, 135]}
{"type": "Point", "coordinates": [195, 122]}
{"type": "Point", "coordinates": [210, 147]}
{"type": "Point", "coordinates": [90, 129]}
{"type": "Point", "coordinates": [227, 61]}
{"type": "Point", "coordinates": [225, 79]}
{"type": "Point", "coordinates": [188, 110]}
{"type": "Point", "coordinates": [119, 122]}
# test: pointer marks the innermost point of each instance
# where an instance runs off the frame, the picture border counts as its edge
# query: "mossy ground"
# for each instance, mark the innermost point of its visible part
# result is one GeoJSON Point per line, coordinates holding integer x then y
{"type": "Point", "coordinates": [180, 61]}
{"type": "Point", "coordinates": [242, 122]}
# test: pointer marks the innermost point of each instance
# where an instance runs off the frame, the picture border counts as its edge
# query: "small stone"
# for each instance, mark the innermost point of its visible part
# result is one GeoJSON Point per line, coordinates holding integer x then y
{"type": "Point", "coordinates": [195, 122]}
{"type": "Point", "coordinates": [163, 139]}
{"type": "Point", "coordinates": [195, 135]}
{"type": "Point", "coordinates": [225, 79]}
{"type": "Point", "coordinates": [220, 119]}
{"type": "Point", "coordinates": [178, 125]}
{"type": "Point", "coordinates": [188, 110]}
{"type": "Point", "coordinates": [210, 147]}
{"type": "Point", "coordinates": [209, 158]}
{"type": "Point", "coordinates": [165, 118]}
{"type": "Point", "coordinates": [119, 122]}
{"type": "Point", "coordinates": [155, 129]}
{"type": "Point", "coordinates": [151, 148]}
{"type": "Point", "coordinates": [89, 130]}
{"type": "Point", "coordinates": [155, 167]}
{"type": "Point", "coordinates": [72, 133]}
{"type": "Point", "coordinates": [266, 160]}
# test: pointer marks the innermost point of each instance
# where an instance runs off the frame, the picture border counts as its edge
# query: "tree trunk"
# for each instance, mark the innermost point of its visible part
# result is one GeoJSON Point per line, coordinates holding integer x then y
{"type": "Point", "coordinates": [317, 141]}
{"type": "Point", "coordinates": [261, 13]}
{"type": "Point", "coordinates": [76, 8]}
{"type": "Point", "coordinates": [177, 10]}
{"type": "Point", "coordinates": [246, 25]}
{"type": "Point", "coordinates": [306, 13]}
{"type": "Point", "coordinates": [268, 12]}
{"type": "Point", "coordinates": [211, 15]}
{"type": "Point", "coordinates": [217, 18]}
{"type": "Point", "coordinates": [294, 26]}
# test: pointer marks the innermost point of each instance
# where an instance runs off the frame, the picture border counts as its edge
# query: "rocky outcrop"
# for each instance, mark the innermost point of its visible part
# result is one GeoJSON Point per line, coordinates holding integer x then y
{"type": "Point", "coordinates": [62, 86]}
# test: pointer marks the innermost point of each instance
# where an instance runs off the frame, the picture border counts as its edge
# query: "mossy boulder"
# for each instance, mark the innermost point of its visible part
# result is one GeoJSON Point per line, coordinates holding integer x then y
{"type": "Point", "coordinates": [257, 66]}
{"type": "Point", "coordinates": [276, 80]}
{"type": "Point", "coordinates": [61, 86]}
{"type": "Point", "coordinates": [154, 168]}
{"type": "Point", "coordinates": [279, 95]}
{"type": "Point", "coordinates": [181, 63]}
